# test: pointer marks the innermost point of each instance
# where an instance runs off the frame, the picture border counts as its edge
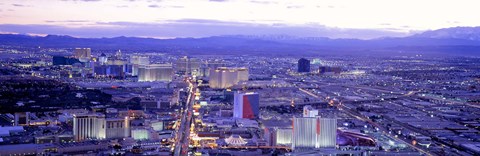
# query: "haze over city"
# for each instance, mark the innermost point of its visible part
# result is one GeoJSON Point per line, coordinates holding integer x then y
{"type": "Point", "coordinates": [240, 77]}
{"type": "Point", "coordinates": [364, 19]}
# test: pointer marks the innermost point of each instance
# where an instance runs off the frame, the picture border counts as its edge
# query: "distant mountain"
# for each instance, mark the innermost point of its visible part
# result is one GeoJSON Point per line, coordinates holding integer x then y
{"type": "Point", "coordinates": [459, 40]}
{"type": "Point", "coordinates": [466, 33]}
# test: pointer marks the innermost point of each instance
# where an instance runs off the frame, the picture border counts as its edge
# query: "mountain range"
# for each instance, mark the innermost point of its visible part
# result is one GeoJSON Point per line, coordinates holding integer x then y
{"type": "Point", "coordinates": [457, 40]}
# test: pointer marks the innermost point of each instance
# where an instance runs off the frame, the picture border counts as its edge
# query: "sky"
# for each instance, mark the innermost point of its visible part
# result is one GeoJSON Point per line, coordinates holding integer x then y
{"type": "Point", "coordinates": [363, 19]}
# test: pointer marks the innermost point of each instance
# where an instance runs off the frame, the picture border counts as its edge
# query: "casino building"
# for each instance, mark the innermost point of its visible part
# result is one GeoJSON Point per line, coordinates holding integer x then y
{"type": "Point", "coordinates": [314, 132]}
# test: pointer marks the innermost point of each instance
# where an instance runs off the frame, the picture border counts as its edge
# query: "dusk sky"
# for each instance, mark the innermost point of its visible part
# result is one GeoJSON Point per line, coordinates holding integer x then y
{"type": "Point", "coordinates": [200, 18]}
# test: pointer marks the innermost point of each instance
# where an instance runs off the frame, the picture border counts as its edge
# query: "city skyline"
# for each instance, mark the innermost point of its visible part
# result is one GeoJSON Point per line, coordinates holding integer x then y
{"type": "Point", "coordinates": [240, 77]}
{"type": "Point", "coordinates": [169, 19]}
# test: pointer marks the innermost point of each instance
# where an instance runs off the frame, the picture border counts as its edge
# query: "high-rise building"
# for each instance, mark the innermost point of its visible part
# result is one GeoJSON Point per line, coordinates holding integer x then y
{"type": "Point", "coordinates": [188, 65]}
{"type": "Point", "coordinates": [83, 53]}
{"type": "Point", "coordinates": [62, 60]}
{"type": "Point", "coordinates": [115, 70]}
{"type": "Point", "coordinates": [205, 68]}
{"type": "Point", "coordinates": [303, 65]}
{"type": "Point", "coordinates": [89, 126]}
{"type": "Point", "coordinates": [103, 59]}
{"type": "Point", "coordinates": [118, 54]}
{"type": "Point", "coordinates": [114, 61]}
{"type": "Point", "coordinates": [314, 132]}
{"type": "Point", "coordinates": [224, 77]}
{"type": "Point", "coordinates": [327, 69]}
{"type": "Point", "coordinates": [326, 132]}
{"type": "Point", "coordinates": [117, 128]}
{"type": "Point", "coordinates": [155, 72]}
{"type": "Point", "coordinates": [108, 70]}
{"type": "Point", "coordinates": [140, 60]}
{"type": "Point", "coordinates": [137, 61]}
{"type": "Point", "coordinates": [100, 70]}
{"type": "Point", "coordinates": [246, 105]}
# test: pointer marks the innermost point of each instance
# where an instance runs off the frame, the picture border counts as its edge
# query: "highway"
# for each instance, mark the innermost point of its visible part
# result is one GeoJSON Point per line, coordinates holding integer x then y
{"type": "Point", "coordinates": [357, 115]}
{"type": "Point", "coordinates": [380, 127]}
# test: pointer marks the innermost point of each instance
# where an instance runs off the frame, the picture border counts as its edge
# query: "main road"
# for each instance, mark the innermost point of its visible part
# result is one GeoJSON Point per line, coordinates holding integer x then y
{"type": "Point", "coordinates": [183, 133]}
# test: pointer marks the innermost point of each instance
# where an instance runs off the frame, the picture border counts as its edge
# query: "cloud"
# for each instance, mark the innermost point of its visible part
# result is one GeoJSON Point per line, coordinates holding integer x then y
{"type": "Point", "coordinates": [21, 5]}
{"type": "Point", "coordinates": [154, 6]}
{"type": "Point", "coordinates": [84, 0]}
{"type": "Point", "coordinates": [175, 6]}
{"type": "Point", "coordinates": [206, 22]}
{"type": "Point", "coordinates": [67, 21]}
{"type": "Point", "coordinates": [263, 2]}
{"type": "Point", "coordinates": [218, 0]}
{"type": "Point", "coordinates": [197, 28]}
{"type": "Point", "coordinates": [122, 6]}
{"type": "Point", "coordinates": [294, 7]}
{"type": "Point", "coordinates": [167, 6]}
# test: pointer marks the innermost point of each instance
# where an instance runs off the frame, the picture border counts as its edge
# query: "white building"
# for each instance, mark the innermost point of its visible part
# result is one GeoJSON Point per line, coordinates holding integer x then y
{"type": "Point", "coordinates": [140, 134]}
{"type": "Point", "coordinates": [117, 128]}
{"type": "Point", "coordinates": [138, 61]}
{"type": "Point", "coordinates": [308, 111]}
{"type": "Point", "coordinates": [283, 136]}
{"type": "Point", "coordinates": [103, 59]}
{"type": "Point", "coordinates": [314, 132]}
{"type": "Point", "coordinates": [158, 126]}
{"type": "Point", "coordinates": [327, 137]}
{"type": "Point", "coordinates": [89, 126]}
{"type": "Point", "coordinates": [235, 140]}
{"type": "Point", "coordinates": [155, 72]}
{"type": "Point", "coordinates": [95, 126]}
{"type": "Point", "coordinates": [224, 77]}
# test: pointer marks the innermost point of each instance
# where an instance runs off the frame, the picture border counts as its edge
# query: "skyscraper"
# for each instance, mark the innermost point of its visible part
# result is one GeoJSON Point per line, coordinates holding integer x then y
{"type": "Point", "coordinates": [314, 132]}
{"type": "Point", "coordinates": [137, 61]}
{"type": "Point", "coordinates": [108, 70]}
{"type": "Point", "coordinates": [89, 126]}
{"type": "Point", "coordinates": [224, 77]}
{"type": "Point", "coordinates": [303, 65]}
{"type": "Point", "coordinates": [83, 53]}
{"type": "Point", "coordinates": [327, 69]}
{"type": "Point", "coordinates": [246, 105]}
{"type": "Point", "coordinates": [102, 59]}
{"type": "Point", "coordinates": [188, 65]}
{"type": "Point", "coordinates": [118, 54]}
{"type": "Point", "coordinates": [63, 60]}
{"type": "Point", "coordinates": [209, 65]}
{"type": "Point", "coordinates": [155, 72]}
